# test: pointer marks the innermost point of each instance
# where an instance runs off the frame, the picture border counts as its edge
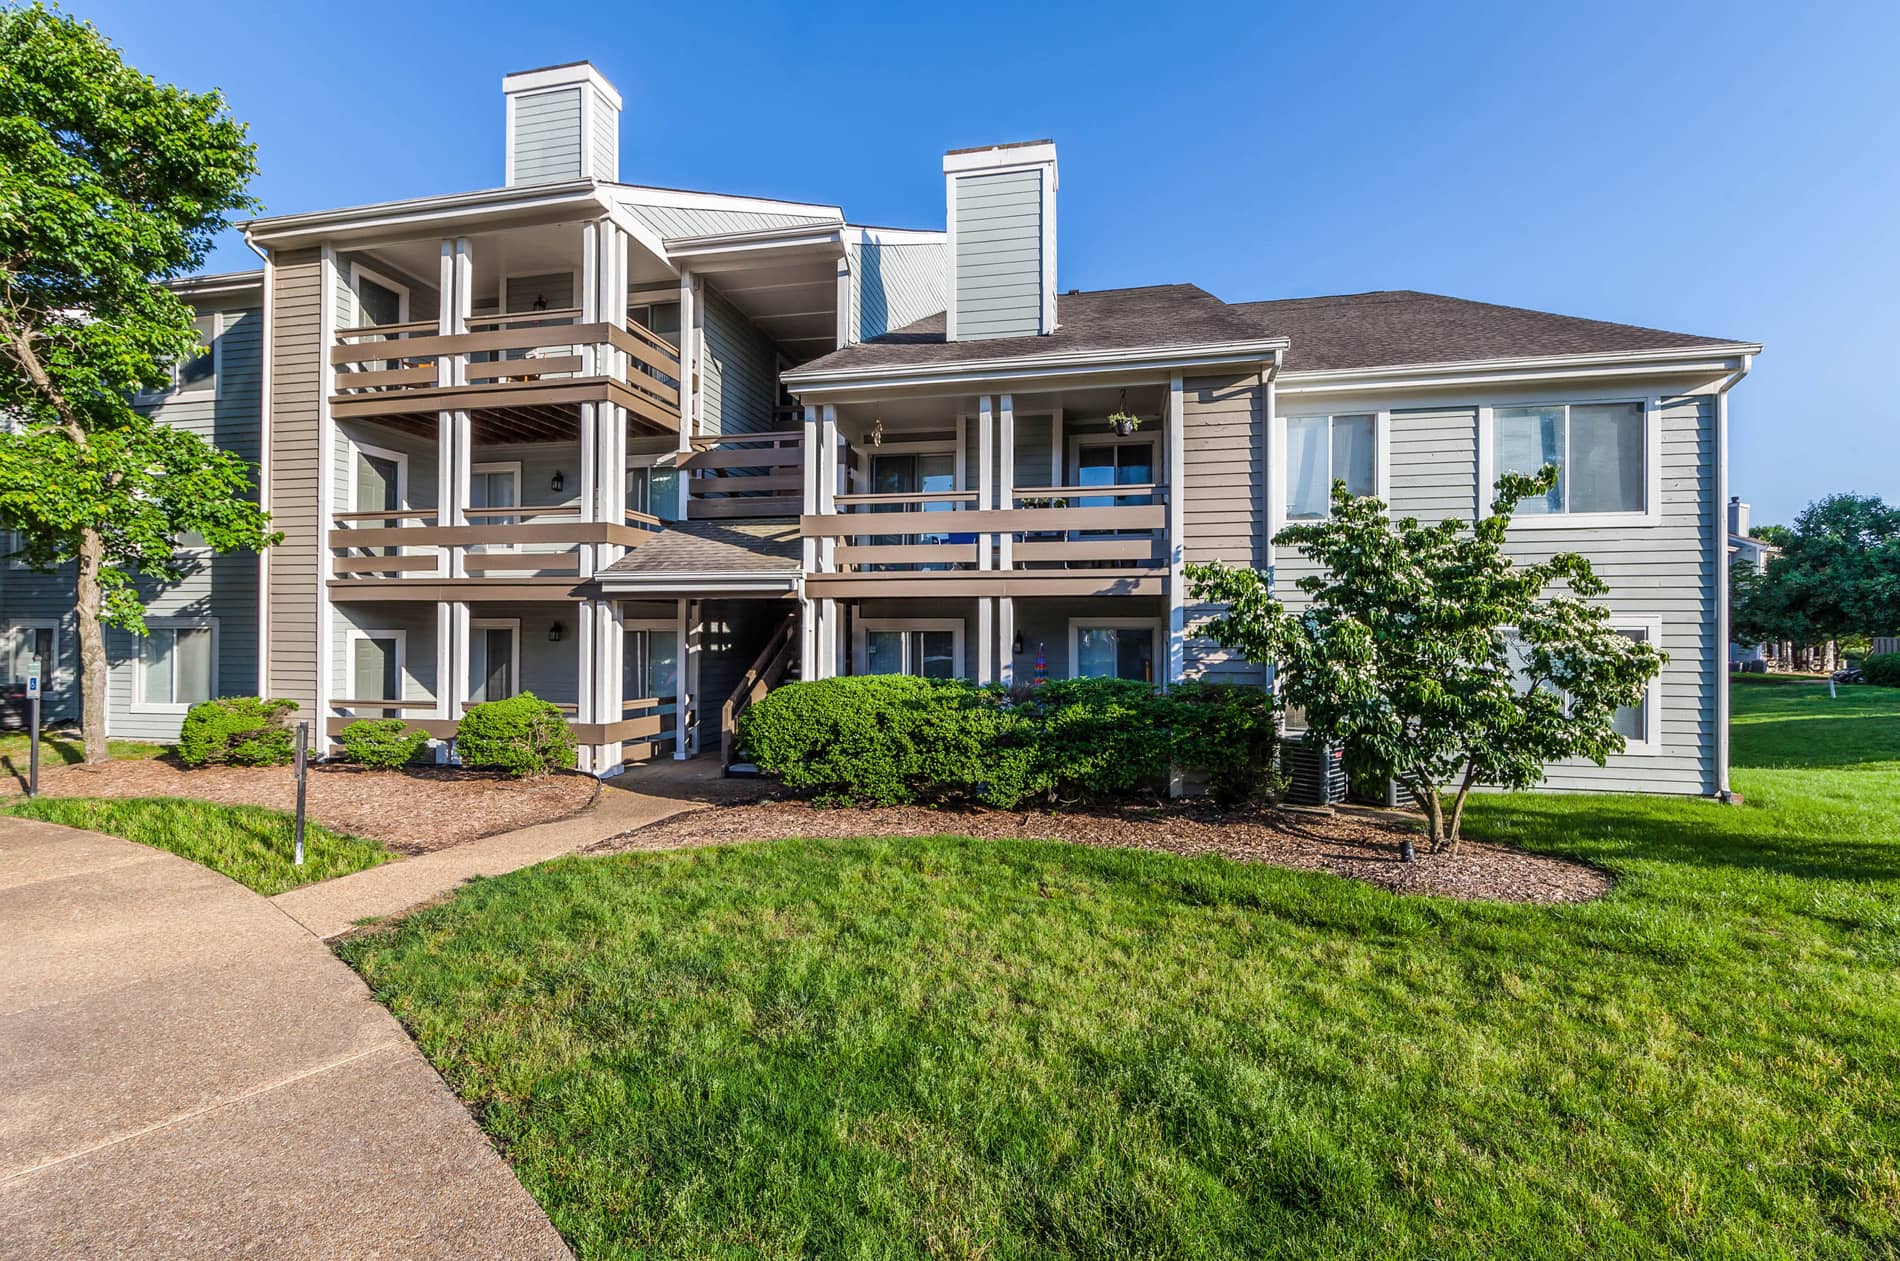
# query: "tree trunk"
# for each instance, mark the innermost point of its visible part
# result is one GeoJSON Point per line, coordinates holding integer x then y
{"type": "Point", "coordinates": [92, 648]}
{"type": "Point", "coordinates": [1428, 801]}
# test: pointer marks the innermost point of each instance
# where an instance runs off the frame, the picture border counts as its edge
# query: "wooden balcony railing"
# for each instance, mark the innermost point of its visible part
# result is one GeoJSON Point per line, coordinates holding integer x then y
{"type": "Point", "coordinates": [642, 718]}
{"type": "Point", "coordinates": [745, 475]}
{"type": "Point", "coordinates": [1055, 527]}
{"type": "Point", "coordinates": [526, 360]}
{"type": "Point", "coordinates": [517, 542]}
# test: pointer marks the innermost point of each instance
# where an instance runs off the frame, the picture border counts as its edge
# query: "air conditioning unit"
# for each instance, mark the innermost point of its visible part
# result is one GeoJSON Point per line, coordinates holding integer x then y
{"type": "Point", "coordinates": [1315, 772]}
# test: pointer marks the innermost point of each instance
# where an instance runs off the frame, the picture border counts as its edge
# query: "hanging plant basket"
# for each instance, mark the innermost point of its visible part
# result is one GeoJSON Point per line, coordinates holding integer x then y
{"type": "Point", "coordinates": [1125, 423]}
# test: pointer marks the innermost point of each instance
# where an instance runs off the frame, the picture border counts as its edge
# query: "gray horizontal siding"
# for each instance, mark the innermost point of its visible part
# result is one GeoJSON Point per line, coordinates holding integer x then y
{"type": "Point", "coordinates": [548, 137]}
{"type": "Point", "coordinates": [297, 340]}
{"type": "Point", "coordinates": [688, 221]}
{"type": "Point", "coordinates": [895, 284]}
{"type": "Point", "coordinates": [738, 371]}
{"type": "Point", "coordinates": [606, 156]}
{"type": "Point", "coordinates": [998, 283]}
{"type": "Point", "coordinates": [1225, 509]}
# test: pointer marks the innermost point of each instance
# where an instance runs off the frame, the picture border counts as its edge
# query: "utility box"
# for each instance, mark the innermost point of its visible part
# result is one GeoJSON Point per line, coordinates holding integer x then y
{"type": "Point", "coordinates": [1315, 772]}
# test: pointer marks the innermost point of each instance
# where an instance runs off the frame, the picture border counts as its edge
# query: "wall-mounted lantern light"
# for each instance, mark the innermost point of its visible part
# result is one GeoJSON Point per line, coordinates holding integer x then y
{"type": "Point", "coordinates": [555, 631]}
{"type": "Point", "coordinates": [1017, 646]}
{"type": "Point", "coordinates": [557, 483]}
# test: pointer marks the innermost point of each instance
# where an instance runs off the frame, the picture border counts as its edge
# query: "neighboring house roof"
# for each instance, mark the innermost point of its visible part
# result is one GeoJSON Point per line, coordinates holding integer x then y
{"type": "Point", "coordinates": [1094, 321]}
{"type": "Point", "coordinates": [1400, 326]}
{"type": "Point", "coordinates": [719, 548]}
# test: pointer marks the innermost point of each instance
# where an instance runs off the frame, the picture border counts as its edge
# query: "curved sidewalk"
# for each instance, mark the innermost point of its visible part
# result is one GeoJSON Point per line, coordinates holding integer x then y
{"type": "Point", "coordinates": [185, 1072]}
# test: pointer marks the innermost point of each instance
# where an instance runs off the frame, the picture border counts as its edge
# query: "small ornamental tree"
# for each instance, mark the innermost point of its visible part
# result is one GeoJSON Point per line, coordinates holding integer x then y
{"type": "Point", "coordinates": [110, 185]}
{"type": "Point", "coordinates": [1438, 661]}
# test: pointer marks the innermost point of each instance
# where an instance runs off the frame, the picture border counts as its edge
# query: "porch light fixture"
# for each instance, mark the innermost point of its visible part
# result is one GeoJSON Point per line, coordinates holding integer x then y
{"type": "Point", "coordinates": [557, 483]}
{"type": "Point", "coordinates": [1016, 647]}
{"type": "Point", "coordinates": [540, 301]}
{"type": "Point", "coordinates": [555, 631]}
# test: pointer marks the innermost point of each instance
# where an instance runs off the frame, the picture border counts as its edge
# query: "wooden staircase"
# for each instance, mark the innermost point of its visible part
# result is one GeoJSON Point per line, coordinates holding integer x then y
{"type": "Point", "coordinates": [767, 671]}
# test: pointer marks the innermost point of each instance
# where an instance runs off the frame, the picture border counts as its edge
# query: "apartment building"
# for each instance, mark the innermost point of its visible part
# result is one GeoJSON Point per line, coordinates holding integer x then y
{"type": "Point", "coordinates": [648, 452]}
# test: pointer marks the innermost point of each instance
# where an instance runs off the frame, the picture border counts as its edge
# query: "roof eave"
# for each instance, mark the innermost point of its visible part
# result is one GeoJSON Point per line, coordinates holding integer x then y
{"type": "Point", "coordinates": [1019, 367]}
{"type": "Point", "coordinates": [1671, 359]}
{"type": "Point", "coordinates": [289, 231]}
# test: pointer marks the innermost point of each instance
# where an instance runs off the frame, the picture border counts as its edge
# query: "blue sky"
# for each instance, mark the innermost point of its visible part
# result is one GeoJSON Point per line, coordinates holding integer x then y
{"type": "Point", "coordinates": [1724, 169]}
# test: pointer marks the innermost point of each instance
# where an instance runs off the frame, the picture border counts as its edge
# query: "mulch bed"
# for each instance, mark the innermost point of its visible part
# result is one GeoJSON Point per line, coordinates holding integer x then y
{"type": "Point", "coordinates": [411, 811]}
{"type": "Point", "coordinates": [1362, 845]}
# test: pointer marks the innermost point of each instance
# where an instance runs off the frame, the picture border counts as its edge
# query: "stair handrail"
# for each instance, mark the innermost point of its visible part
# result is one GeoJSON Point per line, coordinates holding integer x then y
{"type": "Point", "coordinates": [760, 677]}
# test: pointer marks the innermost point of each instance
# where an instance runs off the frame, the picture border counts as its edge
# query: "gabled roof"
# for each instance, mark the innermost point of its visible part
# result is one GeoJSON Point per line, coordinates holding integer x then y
{"type": "Point", "coordinates": [1391, 327]}
{"type": "Point", "coordinates": [1098, 320]}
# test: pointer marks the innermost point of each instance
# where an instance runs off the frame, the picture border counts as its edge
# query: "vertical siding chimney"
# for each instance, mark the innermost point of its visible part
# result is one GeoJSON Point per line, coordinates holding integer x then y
{"type": "Point", "coordinates": [563, 123]}
{"type": "Point", "coordinates": [1737, 516]}
{"type": "Point", "coordinates": [1001, 205]}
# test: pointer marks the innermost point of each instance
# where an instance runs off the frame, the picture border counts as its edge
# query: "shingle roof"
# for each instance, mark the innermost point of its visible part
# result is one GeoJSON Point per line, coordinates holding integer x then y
{"type": "Point", "coordinates": [1101, 319]}
{"type": "Point", "coordinates": [1401, 326]}
{"type": "Point", "coordinates": [715, 547]}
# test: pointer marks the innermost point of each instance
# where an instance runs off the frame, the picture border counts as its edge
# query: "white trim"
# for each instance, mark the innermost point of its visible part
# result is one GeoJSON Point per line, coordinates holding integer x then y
{"type": "Point", "coordinates": [860, 640]}
{"type": "Point", "coordinates": [1155, 625]}
{"type": "Point", "coordinates": [514, 665]}
{"type": "Point", "coordinates": [50, 680]}
{"type": "Point", "coordinates": [1001, 157]}
{"type": "Point", "coordinates": [1129, 360]}
{"type": "Point", "coordinates": [139, 704]}
{"type": "Point", "coordinates": [400, 635]}
{"type": "Point", "coordinates": [400, 458]}
{"type": "Point", "coordinates": [264, 469]}
{"type": "Point", "coordinates": [549, 78]}
{"type": "Point", "coordinates": [325, 647]}
{"type": "Point", "coordinates": [1279, 469]}
{"type": "Point", "coordinates": [1651, 513]}
{"type": "Point", "coordinates": [687, 199]}
{"type": "Point", "coordinates": [1175, 429]}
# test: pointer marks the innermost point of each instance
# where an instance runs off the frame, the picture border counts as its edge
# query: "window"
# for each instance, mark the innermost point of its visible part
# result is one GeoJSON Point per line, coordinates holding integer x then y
{"type": "Point", "coordinates": [494, 662]}
{"type": "Point", "coordinates": [177, 665]}
{"type": "Point", "coordinates": [1639, 724]}
{"type": "Point", "coordinates": [654, 491]}
{"type": "Point", "coordinates": [1114, 650]}
{"type": "Point", "coordinates": [25, 645]}
{"type": "Point", "coordinates": [194, 375]}
{"type": "Point", "coordinates": [927, 649]}
{"type": "Point", "coordinates": [1601, 450]}
{"type": "Point", "coordinates": [649, 665]}
{"type": "Point", "coordinates": [1321, 450]}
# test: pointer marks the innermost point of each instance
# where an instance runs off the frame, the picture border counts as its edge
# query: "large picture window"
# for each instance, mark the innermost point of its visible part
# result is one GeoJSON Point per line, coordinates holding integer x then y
{"type": "Point", "coordinates": [1601, 451]}
{"type": "Point", "coordinates": [1640, 724]}
{"type": "Point", "coordinates": [1321, 450]}
{"type": "Point", "coordinates": [178, 665]}
{"type": "Point", "coordinates": [927, 649]}
{"type": "Point", "coordinates": [1115, 650]}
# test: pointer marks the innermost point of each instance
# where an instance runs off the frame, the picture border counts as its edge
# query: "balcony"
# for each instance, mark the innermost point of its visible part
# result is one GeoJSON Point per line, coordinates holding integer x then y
{"type": "Point", "coordinates": [537, 550]}
{"type": "Point", "coordinates": [531, 369]}
{"type": "Point", "coordinates": [1056, 540]}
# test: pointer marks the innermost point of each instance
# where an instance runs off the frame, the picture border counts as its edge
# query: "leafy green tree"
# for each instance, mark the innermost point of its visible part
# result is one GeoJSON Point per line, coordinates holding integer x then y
{"type": "Point", "coordinates": [1837, 577]}
{"type": "Point", "coordinates": [1435, 659]}
{"type": "Point", "coordinates": [1773, 535]}
{"type": "Point", "coordinates": [110, 185]}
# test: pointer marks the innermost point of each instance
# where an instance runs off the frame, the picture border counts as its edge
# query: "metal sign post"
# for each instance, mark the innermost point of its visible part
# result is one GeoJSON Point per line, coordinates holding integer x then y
{"type": "Point", "coordinates": [33, 731]}
{"type": "Point", "coordinates": [302, 764]}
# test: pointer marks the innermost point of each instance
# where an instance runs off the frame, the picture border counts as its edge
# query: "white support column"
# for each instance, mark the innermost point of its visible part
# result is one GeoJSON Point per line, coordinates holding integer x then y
{"type": "Point", "coordinates": [985, 474]}
{"type": "Point", "coordinates": [1006, 482]}
{"type": "Point", "coordinates": [328, 321]}
{"type": "Point", "coordinates": [610, 642]}
{"type": "Point", "coordinates": [1005, 640]}
{"type": "Point", "coordinates": [460, 302]}
{"type": "Point", "coordinates": [827, 472]}
{"type": "Point", "coordinates": [689, 358]}
{"type": "Point", "coordinates": [458, 659]}
{"type": "Point", "coordinates": [1177, 529]}
{"type": "Point", "coordinates": [586, 687]}
{"type": "Point", "coordinates": [681, 699]}
{"type": "Point", "coordinates": [444, 659]}
{"type": "Point", "coordinates": [985, 638]}
{"type": "Point", "coordinates": [807, 638]}
{"type": "Point", "coordinates": [445, 421]}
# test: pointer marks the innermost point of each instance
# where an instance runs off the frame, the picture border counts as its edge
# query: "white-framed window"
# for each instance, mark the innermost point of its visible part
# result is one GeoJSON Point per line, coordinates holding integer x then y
{"type": "Point", "coordinates": [1312, 451]}
{"type": "Point", "coordinates": [27, 642]}
{"type": "Point", "coordinates": [379, 479]}
{"type": "Point", "coordinates": [1640, 725]}
{"type": "Point", "coordinates": [195, 376]}
{"type": "Point", "coordinates": [177, 665]}
{"type": "Point", "coordinates": [494, 658]}
{"type": "Point", "coordinates": [1116, 648]}
{"type": "Point", "coordinates": [650, 662]}
{"type": "Point", "coordinates": [380, 299]}
{"type": "Point", "coordinates": [1608, 454]}
{"type": "Point", "coordinates": [930, 648]}
{"type": "Point", "coordinates": [653, 489]}
{"type": "Point", "coordinates": [378, 664]}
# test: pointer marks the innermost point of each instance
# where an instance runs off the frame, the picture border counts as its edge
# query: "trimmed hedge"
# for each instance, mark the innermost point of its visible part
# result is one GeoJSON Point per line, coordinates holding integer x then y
{"type": "Point", "coordinates": [238, 731]}
{"type": "Point", "coordinates": [523, 735]}
{"type": "Point", "coordinates": [1883, 668]}
{"type": "Point", "coordinates": [384, 743]}
{"type": "Point", "coordinates": [892, 739]}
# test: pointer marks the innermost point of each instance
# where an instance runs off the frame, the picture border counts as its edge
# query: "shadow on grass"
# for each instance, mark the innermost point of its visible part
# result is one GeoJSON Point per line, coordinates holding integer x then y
{"type": "Point", "coordinates": [1694, 834]}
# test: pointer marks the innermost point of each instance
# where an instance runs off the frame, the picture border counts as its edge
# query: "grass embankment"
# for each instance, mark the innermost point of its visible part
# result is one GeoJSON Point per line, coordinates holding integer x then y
{"type": "Point", "coordinates": [952, 1048]}
{"type": "Point", "coordinates": [250, 844]}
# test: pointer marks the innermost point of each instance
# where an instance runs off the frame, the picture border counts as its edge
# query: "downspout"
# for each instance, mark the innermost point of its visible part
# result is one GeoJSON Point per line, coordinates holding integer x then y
{"type": "Point", "coordinates": [1720, 523]}
{"type": "Point", "coordinates": [263, 471]}
{"type": "Point", "coordinates": [1268, 381]}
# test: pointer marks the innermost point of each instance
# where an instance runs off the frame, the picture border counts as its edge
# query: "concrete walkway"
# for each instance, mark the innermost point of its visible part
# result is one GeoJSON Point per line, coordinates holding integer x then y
{"type": "Point", "coordinates": [645, 794]}
{"type": "Point", "coordinates": [186, 1072]}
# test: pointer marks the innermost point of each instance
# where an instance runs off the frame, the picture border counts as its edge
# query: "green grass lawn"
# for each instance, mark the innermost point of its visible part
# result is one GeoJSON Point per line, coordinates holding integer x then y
{"type": "Point", "coordinates": [946, 1048]}
{"type": "Point", "coordinates": [250, 844]}
{"type": "Point", "coordinates": [62, 748]}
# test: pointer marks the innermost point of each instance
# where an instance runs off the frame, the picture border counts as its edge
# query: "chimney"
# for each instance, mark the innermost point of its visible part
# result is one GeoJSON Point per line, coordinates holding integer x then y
{"type": "Point", "coordinates": [563, 124]}
{"type": "Point", "coordinates": [1001, 206]}
{"type": "Point", "coordinates": [1737, 517]}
